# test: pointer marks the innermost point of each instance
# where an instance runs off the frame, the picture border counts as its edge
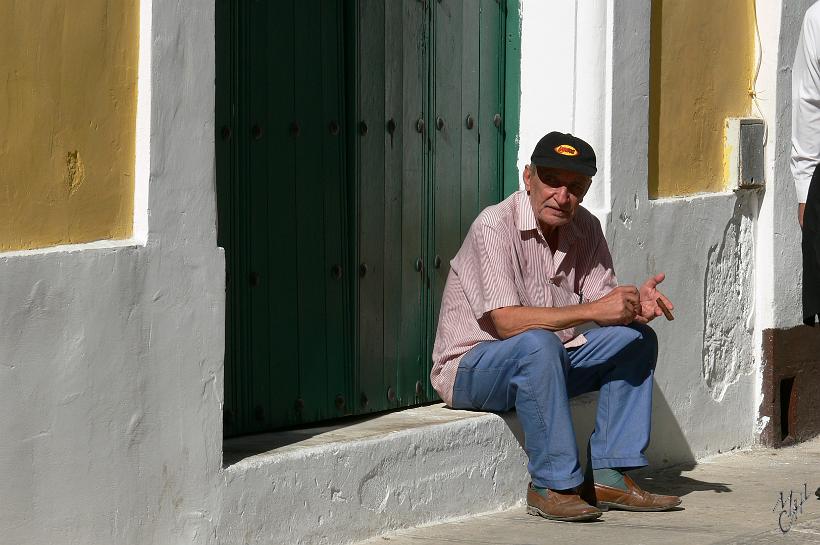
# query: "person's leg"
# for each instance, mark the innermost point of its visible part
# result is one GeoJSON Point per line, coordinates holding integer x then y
{"type": "Point", "coordinates": [526, 372]}
{"type": "Point", "coordinates": [619, 361]}
{"type": "Point", "coordinates": [811, 252]}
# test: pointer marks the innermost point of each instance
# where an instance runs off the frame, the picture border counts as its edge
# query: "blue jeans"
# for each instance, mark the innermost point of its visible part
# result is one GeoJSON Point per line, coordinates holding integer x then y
{"type": "Point", "coordinates": [534, 374]}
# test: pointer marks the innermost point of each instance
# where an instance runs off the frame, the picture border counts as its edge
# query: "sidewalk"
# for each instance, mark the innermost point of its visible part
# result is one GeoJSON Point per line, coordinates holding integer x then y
{"type": "Point", "coordinates": [727, 499]}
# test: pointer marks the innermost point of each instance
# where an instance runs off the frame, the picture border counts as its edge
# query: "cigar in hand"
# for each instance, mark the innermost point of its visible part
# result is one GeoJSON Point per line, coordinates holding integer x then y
{"type": "Point", "coordinates": [665, 309]}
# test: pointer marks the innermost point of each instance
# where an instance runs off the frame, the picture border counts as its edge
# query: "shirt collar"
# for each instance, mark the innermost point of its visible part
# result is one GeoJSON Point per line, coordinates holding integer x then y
{"type": "Point", "coordinates": [525, 220]}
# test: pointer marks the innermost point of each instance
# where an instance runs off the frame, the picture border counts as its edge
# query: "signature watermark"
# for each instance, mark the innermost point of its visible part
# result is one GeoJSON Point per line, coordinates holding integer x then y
{"type": "Point", "coordinates": [788, 508]}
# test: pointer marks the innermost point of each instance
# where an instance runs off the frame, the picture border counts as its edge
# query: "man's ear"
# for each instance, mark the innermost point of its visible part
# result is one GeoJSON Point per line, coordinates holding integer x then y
{"type": "Point", "coordinates": [527, 177]}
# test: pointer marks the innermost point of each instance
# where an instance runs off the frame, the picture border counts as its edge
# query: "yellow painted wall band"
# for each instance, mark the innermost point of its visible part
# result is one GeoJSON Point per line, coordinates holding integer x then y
{"type": "Point", "coordinates": [67, 148]}
{"type": "Point", "coordinates": [701, 65]}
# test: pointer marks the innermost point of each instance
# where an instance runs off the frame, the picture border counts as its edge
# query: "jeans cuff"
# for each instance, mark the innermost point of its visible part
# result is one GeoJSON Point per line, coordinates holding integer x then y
{"type": "Point", "coordinates": [631, 463]}
{"type": "Point", "coordinates": [560, 484]}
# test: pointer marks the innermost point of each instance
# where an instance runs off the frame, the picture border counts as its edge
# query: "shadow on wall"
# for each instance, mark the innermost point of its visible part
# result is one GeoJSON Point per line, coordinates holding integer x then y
{"type": "Point", "coordinates": [668, 446]}
{"type": "Point", "coordinates": [668, 452]}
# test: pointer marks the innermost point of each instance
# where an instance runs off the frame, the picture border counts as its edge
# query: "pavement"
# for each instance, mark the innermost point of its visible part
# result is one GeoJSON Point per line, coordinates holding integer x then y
{"type": "Point", "coordinates": [732, 498]}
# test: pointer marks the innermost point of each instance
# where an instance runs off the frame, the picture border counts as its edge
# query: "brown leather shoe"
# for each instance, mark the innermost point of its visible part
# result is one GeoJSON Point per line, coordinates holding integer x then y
{"type": "Point", "coordinates": [631, 499]}
{"type": "Point", "coordinates": [568, 506]}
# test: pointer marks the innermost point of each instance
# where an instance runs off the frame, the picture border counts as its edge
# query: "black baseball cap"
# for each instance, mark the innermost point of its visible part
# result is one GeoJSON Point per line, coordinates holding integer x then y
{"type": "Point", "coordinates": [559, 150]}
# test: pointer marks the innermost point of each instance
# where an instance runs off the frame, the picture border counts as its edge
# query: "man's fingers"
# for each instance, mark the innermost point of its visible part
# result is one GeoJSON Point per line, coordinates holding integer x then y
{"type": "Point", "coordinates": [653, 281]}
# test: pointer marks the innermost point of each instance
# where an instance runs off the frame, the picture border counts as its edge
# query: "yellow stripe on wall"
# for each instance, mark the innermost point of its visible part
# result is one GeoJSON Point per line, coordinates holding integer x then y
{"type": "Point", "coordinates": [702, 62]}
{"type": "Point", "coordinates": [68, 100]}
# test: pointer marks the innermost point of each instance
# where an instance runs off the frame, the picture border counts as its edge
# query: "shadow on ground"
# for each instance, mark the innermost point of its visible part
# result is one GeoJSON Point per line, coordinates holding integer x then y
{"type": "Point", "coordinates": [672, 481]}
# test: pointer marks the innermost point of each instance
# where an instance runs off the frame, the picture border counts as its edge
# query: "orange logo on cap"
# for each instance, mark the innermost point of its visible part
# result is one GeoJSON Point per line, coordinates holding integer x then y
{"type": "Point", "coordinates": [566, 149]}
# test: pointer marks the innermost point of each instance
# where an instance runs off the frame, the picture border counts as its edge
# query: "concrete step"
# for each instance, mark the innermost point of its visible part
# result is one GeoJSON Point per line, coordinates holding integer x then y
{"type": "Point", "coordinates": [345, 483]}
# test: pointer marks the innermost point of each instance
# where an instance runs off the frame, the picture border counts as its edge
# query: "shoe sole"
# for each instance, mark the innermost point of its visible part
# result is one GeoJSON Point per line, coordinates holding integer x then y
{"type": "Point", "coordinates": [579, 518]}
{"type": "Point", "coordinates": [606, 506]}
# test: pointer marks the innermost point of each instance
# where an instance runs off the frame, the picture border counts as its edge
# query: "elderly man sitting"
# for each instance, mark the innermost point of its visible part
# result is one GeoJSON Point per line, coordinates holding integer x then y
{"type": "Point", "coordinates": [532, 315]}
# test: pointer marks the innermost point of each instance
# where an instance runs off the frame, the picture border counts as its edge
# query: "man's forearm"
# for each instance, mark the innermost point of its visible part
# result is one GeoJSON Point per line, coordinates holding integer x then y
{"type": "Point", "coordinates": [510, 321]}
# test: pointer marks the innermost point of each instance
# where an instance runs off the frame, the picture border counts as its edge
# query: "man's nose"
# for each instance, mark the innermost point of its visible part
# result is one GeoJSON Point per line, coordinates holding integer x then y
{"type": "Point", "coordinates": [562, 196]}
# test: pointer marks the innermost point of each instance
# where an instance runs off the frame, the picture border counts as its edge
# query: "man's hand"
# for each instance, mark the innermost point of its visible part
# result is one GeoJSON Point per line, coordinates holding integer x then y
{"type": "Point", "coordinates": [621, 306]}
{"type": "Point", "coordinates": [801, 207]}
{"type": "Point", "coordinates": [649, 297]}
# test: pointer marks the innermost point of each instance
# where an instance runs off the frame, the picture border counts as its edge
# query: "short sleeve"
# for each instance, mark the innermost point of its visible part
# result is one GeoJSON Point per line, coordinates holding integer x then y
{"type": "Point", "coordinates": [485, 270]}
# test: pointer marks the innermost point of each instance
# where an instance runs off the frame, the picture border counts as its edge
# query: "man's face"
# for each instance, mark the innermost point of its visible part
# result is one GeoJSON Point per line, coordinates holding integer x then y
{"type": "Point", "coordinates": [555, 194]}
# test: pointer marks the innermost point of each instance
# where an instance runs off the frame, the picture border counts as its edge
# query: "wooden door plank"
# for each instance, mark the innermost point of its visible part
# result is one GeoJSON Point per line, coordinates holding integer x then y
{"type": "Point", "coordinates": [393, 146]}
{"type": "Point", "coordinates": [447, 153]}
{"type": "Point", "coordinates": [491, 35]}
{"type": "Point", "coordinates": [338, 369]}
{"type": "Point", "coordinates": [273, 244]}
{"type": "Point", "coordinates": [371, 173]}
{"type": "Point", "coordinates": [310, 215]}
{"type": "Point", "coordinates": [254, 196]}
{"type": "Point", "coordinates": [244, 354]}
{"type": "Point", "coordinates": [411, 334]}
{"type": "Point", "coordinates": [469, 100]}
{"type": "Point", "coordinates": [512, 94]}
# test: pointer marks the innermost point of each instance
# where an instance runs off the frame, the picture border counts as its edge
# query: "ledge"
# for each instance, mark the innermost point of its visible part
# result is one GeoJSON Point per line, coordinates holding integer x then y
{"type": "Point", "coordinates": [346, 483]}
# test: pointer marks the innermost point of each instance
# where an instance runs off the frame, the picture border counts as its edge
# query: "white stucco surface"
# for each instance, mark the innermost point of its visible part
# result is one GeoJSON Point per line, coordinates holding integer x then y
{"type": "Point", "coordinates": [781, 265]}
{"type": "Point", "coordinates": [111, 359]}
{"type": "Point", "coordinates": [341, 491]}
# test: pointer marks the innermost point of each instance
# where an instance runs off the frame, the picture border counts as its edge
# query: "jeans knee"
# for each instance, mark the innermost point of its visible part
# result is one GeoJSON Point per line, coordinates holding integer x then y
{"type": "Point", "coordinates": [547, 351]}
{"type": "Point", "coordinates": [647, 340]}
{"type": "Point", "coordinates": [536, 340]}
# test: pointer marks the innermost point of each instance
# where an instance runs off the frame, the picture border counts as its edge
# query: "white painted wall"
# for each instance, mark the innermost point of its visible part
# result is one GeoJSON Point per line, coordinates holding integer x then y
{"type": "Point", "coordinates": [563, 80]}
{"type": "Point", "coordinates": [732, 260]}
{"type": "Point", "coordinates": [780, 29]}
{"type": "Point", "coordinates": [111, 358]}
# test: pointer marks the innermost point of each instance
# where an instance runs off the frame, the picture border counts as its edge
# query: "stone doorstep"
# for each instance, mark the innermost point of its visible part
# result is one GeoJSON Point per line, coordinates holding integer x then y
{"type": "Point", "coordinates": [245, 449]}
{"type": "Point", "coordinates": [345, 483]}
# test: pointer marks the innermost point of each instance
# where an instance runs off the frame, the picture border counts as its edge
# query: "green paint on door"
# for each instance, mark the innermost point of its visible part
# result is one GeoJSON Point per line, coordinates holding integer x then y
{"type": "Point", "coordinates": [356, 142]}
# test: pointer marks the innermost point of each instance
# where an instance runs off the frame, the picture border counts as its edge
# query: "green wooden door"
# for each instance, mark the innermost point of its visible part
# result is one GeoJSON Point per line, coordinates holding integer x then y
{"type": "Point", "coordinates": [282, 212]}
{"type": "Point", "coordinates": [390, 158]}
{"type": "Point", "coordinates": [356, 142]}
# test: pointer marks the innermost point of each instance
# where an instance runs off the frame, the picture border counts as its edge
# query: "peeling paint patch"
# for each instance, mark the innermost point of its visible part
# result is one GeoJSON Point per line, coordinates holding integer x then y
{"type": "Point", "coordinates": [761, 424]}
{"type": "Point", "coordinates": [729, 300]}
{"type": "Point", "coordinates": [626, 219]}
{"type": "Point", "coordinates": [74, 171]}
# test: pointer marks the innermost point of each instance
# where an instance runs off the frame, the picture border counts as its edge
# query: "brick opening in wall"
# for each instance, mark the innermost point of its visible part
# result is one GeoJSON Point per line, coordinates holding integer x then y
{"type": "Point", "coordinates": [787, 407]}
{"type": "Point", "coordinates": [791, 373]}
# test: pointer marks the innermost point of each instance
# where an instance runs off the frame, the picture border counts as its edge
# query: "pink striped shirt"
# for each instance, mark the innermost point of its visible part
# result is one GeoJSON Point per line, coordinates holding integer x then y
{"type": "Point", "coordinates": [505, 261]}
